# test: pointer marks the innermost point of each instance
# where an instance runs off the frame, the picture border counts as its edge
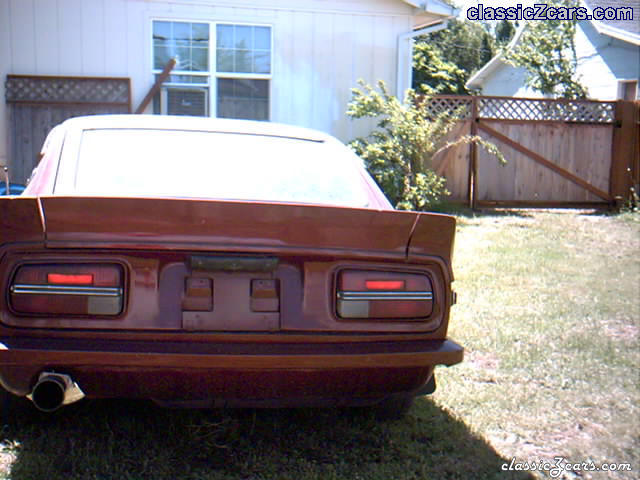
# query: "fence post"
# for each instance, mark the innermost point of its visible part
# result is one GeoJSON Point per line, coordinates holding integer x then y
{"type": "Point", "coordinates": [625, 155]}
{"type": "Point", "coordinates": [473, 155]}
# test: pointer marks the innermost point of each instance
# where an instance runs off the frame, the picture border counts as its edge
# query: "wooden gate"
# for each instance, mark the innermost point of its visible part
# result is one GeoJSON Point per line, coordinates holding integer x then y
{"type": "Point", "coordinates": [559, 152]}
{"type": "Point", "coordinates": [36, 104]}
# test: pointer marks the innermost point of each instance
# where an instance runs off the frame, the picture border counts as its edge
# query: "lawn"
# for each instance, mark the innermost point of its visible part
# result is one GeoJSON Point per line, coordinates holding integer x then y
{"type": "Point", "coordinates": [549, 312]}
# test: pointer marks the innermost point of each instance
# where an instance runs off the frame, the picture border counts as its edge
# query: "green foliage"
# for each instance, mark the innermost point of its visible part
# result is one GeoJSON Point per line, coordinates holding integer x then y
{"type": "Point", "coordinates": [547, 51]}
{"type": "Point", "coordinates": [433, 74]}
{"type": "Point", "coordinates": [504, 32]}
{"type": "Point", "coordinates": [399, 152]}
{"type": "Point", "coordinates": [443, 61]}
{"type": "Point", "coordinates": [487, 49]}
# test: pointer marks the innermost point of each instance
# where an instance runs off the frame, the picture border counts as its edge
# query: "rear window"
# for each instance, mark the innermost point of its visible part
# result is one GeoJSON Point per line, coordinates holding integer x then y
{"type": "Point", "coordinates": [195, 164]}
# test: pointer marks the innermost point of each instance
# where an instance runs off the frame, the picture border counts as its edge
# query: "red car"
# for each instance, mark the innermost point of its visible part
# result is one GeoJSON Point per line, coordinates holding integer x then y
{"type": "Point", "coordinates": [200, 262]}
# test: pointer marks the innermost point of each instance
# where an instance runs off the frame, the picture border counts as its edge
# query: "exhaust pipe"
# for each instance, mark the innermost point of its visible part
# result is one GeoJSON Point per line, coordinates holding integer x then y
{"type": "Point", "coordinates": [54, 390]}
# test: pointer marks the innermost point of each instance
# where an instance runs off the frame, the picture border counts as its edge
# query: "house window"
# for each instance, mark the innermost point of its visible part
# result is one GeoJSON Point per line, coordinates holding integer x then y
{"type": "Point", "coordinates": [226, 74]}
{"type": "Point", "coordinates": [186, 91]}
{"type": "Point", "coordinates": [243, 68]}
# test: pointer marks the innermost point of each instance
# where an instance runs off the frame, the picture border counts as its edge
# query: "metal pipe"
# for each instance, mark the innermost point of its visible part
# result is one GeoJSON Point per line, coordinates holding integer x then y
{"type": "Point", "coordinates": [53, 390]}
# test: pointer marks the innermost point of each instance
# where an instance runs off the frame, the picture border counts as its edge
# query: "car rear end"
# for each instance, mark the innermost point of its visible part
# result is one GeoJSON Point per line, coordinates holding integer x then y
{"type": "Point", "coordinates": [200, 302]}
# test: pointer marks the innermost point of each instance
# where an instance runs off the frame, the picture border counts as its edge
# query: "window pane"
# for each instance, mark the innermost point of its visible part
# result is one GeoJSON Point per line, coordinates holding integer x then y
{"type": "Point", "coordinates": [225, 88]}
{"type": "Point", "coordinates": [187, 42]}
{"type": "Point", "coordinates": [224, 60]}
{"type": "Point", "coordinates": [200, 59]}
{"type": "Point", "coordinates": [243, 98]}
{"type": "Point", "coordinates": [182, 33]}
{"type": "Point", "coordinates": [224, 36]}
{"type": "Point", "coordinates": [262, 38]}
{"type": "Point", "coordinates": [200, 33]}
{"type": "Point", "coordinates": [243, 49]}
{"type": "Point", "coordinates": [161, 55]}
{"type": "Point", "coordinates": [243, 37]}
{"type": "Point", "coordinates": [260, 89]}
{"type": "Point", "coordinates": [262, 62]}
{"type": "Point", "coordinates": [243, 61]}
{"type": "Point", "coordinates": [183, 58]}
{"type": "Point", "coordinates": [161, 31]}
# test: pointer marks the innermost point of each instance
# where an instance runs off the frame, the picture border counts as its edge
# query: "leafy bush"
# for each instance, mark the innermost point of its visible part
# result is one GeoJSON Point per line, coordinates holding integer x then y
{"type": "Point", "coordinates": [399, 152]}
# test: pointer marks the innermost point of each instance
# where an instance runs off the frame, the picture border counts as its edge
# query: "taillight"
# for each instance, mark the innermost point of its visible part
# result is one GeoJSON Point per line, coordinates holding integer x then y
{"type": "Point", "coordinates": [68, 289]}
{"type": "Point", "coordinates": [370, 294]}
{"type": "Point", "coordinates": [70, 279]}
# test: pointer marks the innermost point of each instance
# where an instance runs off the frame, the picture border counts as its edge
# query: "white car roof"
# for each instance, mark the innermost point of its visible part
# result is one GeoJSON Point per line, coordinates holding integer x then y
{"type": "Point", "coordinates": [171, 122]}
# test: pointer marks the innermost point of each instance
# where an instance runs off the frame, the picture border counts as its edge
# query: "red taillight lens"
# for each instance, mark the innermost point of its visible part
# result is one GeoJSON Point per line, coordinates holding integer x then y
{"type": "Point", "coordinates": [383, 295]}
{"type": "Point", "coordinates": [68, 289]}
{"type": "Point", "coordinates": [384, 284]}
{"type": "Point", "coordinates": [70, 279]}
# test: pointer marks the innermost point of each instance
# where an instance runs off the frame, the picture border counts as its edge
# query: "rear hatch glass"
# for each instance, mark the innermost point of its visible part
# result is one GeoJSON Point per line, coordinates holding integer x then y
{"type": "Point", "coordinates": [233, 166]}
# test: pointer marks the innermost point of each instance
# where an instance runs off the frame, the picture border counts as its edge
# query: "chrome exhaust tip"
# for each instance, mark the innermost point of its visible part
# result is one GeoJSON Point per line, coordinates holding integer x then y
{"type": "Point", "coordinates": [53, 390]}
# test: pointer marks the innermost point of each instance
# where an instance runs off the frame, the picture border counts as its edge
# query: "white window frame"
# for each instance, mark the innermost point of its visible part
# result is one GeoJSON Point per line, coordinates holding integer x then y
{"type": "Point", "coordinates": [213, 74]}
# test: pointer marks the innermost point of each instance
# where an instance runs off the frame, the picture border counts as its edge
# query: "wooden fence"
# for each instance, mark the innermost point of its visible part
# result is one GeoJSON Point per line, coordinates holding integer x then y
{"type": "Point", "coordinates": [559, 152]}
{"type": "Point", "coordinates": [38, 103]}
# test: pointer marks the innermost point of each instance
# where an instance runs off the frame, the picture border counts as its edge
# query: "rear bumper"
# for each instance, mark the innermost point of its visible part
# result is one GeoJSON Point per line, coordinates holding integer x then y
{"type": "Point", "coordinates": [233, 370]}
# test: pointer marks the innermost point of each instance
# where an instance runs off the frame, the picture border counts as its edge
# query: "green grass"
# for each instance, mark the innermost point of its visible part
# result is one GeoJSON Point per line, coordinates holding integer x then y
{"type": "Point", "coordinates": [549, 314]}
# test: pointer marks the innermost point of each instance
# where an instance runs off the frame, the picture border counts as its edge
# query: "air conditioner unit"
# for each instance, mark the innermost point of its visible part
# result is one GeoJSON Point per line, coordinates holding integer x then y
{"type": "Point", "coordinates": [185, 101]}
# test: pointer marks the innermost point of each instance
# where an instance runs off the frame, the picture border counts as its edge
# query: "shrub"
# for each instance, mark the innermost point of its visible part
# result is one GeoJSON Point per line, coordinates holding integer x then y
{"type": "Point", "coordinates": [399, 152]}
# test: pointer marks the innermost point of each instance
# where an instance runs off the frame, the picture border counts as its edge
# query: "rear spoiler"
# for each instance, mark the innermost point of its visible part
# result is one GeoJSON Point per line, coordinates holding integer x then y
{"type": "Point", "coordinates": [193, 224]}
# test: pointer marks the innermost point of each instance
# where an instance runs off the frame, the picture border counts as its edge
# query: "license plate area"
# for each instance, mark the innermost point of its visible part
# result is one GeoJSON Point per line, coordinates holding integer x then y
{"type": "Point", "coordinates": [239, 301]}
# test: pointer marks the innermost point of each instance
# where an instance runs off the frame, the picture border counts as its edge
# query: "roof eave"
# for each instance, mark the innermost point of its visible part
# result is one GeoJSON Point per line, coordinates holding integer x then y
{"type": "Point", "coordinates": [431, 13]}
{"type": "Point", "coordinates": [616, 33]}
{"type": "Point", "coordinates": [438, 7]}
{"type": "Point", "coordinates": [433, 7]}
{"type": "Point", "coordinates": [477, 79]}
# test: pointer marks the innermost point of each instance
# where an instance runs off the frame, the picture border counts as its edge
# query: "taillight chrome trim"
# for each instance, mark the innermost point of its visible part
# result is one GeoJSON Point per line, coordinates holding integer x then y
{"type": "Point", "coordinates": [384, 295]}
{"type": "Point", "coordinates": [22, 289]}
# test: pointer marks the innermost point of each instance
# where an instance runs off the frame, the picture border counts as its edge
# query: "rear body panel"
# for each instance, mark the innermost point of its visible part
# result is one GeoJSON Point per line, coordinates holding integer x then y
{"type": "Point", "coordinates": [155, 241]}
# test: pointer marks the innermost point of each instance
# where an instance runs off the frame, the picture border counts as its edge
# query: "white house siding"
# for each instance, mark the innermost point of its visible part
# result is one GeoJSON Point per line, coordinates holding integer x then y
{"type": "Point", "coordinates": [320, 47]}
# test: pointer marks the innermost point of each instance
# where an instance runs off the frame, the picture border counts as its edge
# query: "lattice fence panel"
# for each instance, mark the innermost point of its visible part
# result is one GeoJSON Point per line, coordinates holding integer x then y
{"type": "Point", "coordinates": [440, 104]}
{"type": "Point", "coordinates": [497, 108]}
{"type": "Point", "coordinates": [546, 110]}
{"type": "Point", "coordinates": [67, 90]}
